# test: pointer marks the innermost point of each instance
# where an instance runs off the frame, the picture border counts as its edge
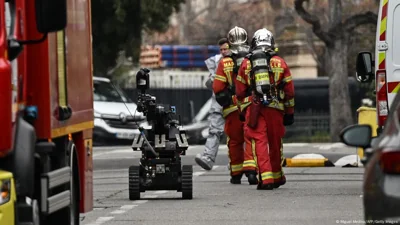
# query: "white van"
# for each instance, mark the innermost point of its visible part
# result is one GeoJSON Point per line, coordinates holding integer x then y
{"type": "Point", "coordinates": [115, 114]}
{"type": "Point", "coordinates": [386, 66]}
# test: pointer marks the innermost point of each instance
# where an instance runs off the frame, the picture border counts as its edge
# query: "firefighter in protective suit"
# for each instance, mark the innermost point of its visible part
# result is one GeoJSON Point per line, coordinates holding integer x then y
{"type": "Point", "coordinates": [241, 161]}
{"type": "Point", "coordinates": [267, 77]}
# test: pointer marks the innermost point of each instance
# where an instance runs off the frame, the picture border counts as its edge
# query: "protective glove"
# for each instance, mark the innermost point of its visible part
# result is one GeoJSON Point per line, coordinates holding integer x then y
{"type": "Point", "coordinates": [281, 85]}
{"type": "Point", "coordinates": [209, 83]}
{"type": "Point", "coordinates": [242, 117]}
{"type": "Point", "coordinates": [288, 119]}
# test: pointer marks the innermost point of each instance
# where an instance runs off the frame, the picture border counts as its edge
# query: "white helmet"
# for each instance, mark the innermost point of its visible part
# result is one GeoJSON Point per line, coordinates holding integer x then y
{"type": "Point", "coordinates": [263, 37]}
{"type": "Point", "coordinates": [237, 37]}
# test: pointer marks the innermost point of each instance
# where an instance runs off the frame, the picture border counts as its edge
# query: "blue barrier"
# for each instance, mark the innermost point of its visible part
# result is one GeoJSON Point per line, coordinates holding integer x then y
{"type": "Point", "coordinates": [179, 56]}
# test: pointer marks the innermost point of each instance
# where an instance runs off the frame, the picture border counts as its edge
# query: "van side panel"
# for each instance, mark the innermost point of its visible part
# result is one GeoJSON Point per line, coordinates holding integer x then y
{"type": "Point", "coordinates": [380, 62]}
{"type": "Point", "coordinates": [392, 62]}
{"type": "Point", "coordinates": [396, 36]}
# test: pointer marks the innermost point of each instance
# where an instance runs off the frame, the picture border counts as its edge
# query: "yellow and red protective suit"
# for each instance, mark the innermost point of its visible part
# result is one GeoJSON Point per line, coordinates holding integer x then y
{"type": "Point", "coordinates": [265, 138]}
{"type": "Point", "coordinates": [241, 158]}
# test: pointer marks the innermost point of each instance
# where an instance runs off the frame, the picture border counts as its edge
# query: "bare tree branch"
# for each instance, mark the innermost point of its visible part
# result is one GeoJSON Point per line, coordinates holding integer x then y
{"type": "Point", "coordinates": [195, 15]}
{"type": "Point", "coordinates": [335, 12]}
{"type": "Point", "coordinates": [275, 4]}
{"type": "Point", "coordinates": [311, 46]}
{"type": "Point", "coordinates": [360, 19]}
{"type": "Point", "coordinates": [314, 21]}
{"type": "Point", "coordinates": [353, 22]}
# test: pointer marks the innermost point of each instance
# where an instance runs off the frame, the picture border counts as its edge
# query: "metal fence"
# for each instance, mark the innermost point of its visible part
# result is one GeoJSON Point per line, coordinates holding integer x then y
{"type": "Point", "coordinates": [309, 126]}
{"type": "Point", "coordinates": [312, 101]}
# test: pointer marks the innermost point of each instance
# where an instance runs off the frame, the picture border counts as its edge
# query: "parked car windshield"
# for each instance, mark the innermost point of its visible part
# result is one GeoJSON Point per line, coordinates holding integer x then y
{"type": "Point", "coordinates": [106, 92]}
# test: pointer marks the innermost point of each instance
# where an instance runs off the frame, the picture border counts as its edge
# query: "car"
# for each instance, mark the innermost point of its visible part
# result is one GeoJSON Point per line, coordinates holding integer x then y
{"type": "Point", "coordinates": [381, 184]}
{"type": "Point", "coordinates": [116, 118]}
{"type": "Point", "coordinates": [197, 129]}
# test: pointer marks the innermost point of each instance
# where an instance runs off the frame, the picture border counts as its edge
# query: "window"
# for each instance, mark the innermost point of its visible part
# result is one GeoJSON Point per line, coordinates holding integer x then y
{"type": "Point", "coordinates": [105, 92]}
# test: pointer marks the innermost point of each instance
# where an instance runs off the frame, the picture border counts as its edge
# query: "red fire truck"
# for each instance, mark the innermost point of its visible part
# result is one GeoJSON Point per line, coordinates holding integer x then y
{"type": "Point", "coordinates": [46, 111]}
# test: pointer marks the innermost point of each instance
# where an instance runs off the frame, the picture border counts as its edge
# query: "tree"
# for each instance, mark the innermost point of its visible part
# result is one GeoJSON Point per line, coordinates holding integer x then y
{"type": "Point", "coordinates": [336, 35]}
{"type": "Point", "coordinates": [117, 27]}
{"type": "Point", "coordinates": [216, 18]}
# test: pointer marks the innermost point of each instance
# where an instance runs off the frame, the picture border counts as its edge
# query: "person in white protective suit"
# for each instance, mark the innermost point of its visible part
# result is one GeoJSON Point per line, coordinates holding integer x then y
{"type": "Point", "coordinates": [216, 127]}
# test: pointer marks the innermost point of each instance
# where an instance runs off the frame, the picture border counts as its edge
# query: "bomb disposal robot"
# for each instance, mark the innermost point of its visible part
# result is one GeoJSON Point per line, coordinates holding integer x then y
{"type": "Point", "coordinates": [162, 145]}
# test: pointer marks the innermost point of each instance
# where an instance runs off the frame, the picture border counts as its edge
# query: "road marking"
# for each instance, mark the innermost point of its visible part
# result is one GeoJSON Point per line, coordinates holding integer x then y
{"type": "Point", "coordinates": [101, 220]}
{"type": "Point", "coordinates": [118, 212]}
{"type": "Point", "coordinates": [150, 196]}
{"type": "Point", "coordinates": [104, 219]}
{"type": "Point", "coordinates": [203, 171]}
{"type": "Point", "coordinates": [295, 144]}
{"type": "Point", "coordinates": [214, 167]}
{"type": "Point", "coordinates": [111, 170]}
{"type": "Point", "coordinates": [140, 201]}
{"type": "Point", "coordinates": [198, 173]}
{"type": "Point", "coordinates": [329, 146]}
{"type": "Point", "coordinates": [116, 151]}
{"type": "Point", "coordinates": [124, 208]}
{"type": "Point", "coordinates": [128, 206]}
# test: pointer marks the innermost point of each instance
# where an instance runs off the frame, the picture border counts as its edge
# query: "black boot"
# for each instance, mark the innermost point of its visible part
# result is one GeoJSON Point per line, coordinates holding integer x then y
{"type": "Point", "coordinates": [265, 186]}
{"type": "Point", "coordinates": [252, 177]}
{"type": "Point", "coordinates": [280, 183]}
{"type": "Point", "coordinates": [236, 179]}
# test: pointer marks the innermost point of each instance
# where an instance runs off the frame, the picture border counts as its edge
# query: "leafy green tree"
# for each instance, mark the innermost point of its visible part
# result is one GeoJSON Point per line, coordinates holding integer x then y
{"type": "Point", "coordinates": [117, 27]}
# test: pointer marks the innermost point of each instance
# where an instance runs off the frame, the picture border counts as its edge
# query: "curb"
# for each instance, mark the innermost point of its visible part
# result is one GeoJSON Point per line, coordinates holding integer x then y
{"type": "Point", "coordinates": [318, 160]}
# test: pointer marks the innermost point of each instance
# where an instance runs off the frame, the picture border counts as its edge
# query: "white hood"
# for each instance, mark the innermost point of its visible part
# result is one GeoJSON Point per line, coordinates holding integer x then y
{"type": "Point", "coordinates": [115, 108]}
{"type": "Point", "coordinates": [212, 63]}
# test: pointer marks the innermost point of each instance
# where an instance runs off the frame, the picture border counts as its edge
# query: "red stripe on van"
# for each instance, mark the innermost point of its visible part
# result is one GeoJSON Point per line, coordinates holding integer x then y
{"type": "Point", "coordinates": [382, 37]}
{"type": "Point", "coordinates": [392, 86]}
{"type": "Point", "coordinates": [382, 65]}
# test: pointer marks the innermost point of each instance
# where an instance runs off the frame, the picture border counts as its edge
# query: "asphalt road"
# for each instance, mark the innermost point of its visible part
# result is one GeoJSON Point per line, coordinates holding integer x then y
{"type": "Point", "coordinates": [318, 195]}
{"type": "Point", "coordinates": [121, 157]}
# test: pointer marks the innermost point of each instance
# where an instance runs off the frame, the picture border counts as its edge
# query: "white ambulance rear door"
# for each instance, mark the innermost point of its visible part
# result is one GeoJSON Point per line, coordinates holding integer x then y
{"type": "Point", "coordinates": [392, 56]}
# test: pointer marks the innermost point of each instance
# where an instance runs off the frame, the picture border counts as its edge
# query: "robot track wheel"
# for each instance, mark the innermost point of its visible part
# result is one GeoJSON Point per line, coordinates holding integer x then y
{"type": "Point", "coordinates": [187, 182]}
{"type": "Point", "coordinates": [134, 183]}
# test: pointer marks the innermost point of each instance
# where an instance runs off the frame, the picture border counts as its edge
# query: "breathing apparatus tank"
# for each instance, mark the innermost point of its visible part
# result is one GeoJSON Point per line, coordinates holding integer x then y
{"type": "Point", "coordinates": [239, 59]}
{"type": "Point", "coordinates": [263, 85]}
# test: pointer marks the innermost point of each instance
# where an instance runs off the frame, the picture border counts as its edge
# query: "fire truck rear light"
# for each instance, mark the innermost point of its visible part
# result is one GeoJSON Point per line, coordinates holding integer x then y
{"type": "Point", "coordinates": [383, 108]}
{"type": "Point", "coordinates": [381, 79]}
{"type": "Point", "coordinates": [390, 162]}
